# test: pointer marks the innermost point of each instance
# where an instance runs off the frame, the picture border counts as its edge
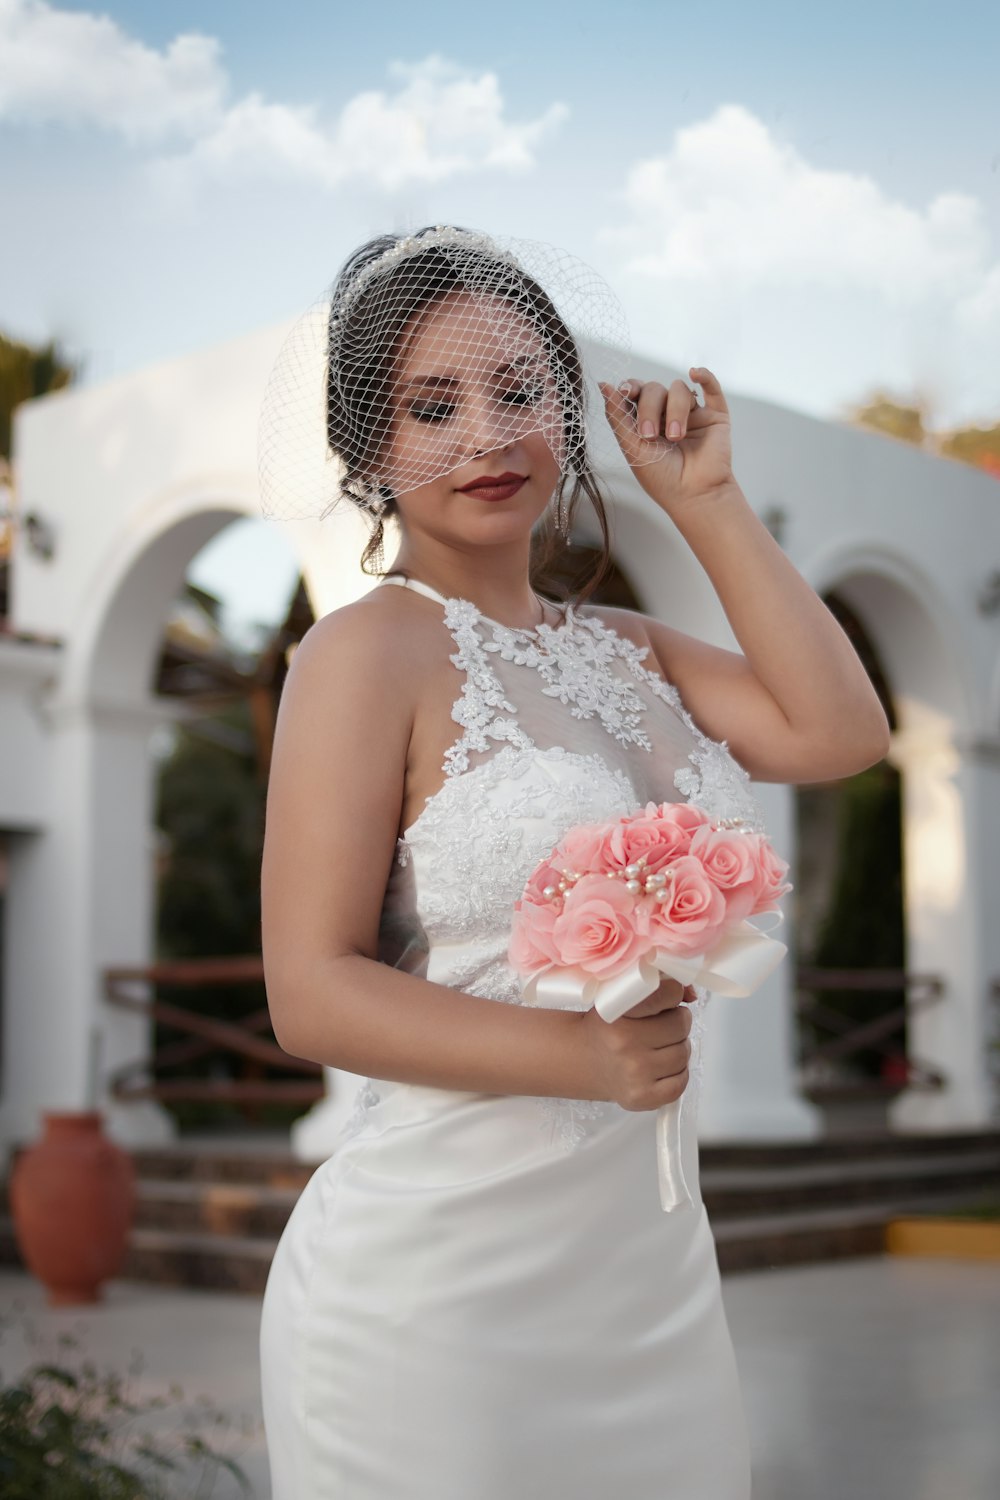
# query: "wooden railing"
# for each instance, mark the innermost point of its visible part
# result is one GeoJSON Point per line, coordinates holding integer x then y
{"type": "Point", "coordinates": [822, 1063]}
{"type": "Point", "coordinates": [250, 1039]}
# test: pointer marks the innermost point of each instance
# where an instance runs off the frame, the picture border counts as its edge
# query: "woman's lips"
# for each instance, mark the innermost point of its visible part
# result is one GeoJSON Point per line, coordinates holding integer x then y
{"type": "Point", "coordinates": [495, 491]}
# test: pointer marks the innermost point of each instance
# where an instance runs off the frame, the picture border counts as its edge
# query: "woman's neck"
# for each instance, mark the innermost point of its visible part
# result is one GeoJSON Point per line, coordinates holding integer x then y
{"type": "Point", "coordinates": [506, 596]}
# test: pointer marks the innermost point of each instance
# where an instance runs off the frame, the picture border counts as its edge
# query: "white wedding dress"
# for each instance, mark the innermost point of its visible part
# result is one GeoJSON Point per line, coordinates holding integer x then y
{"type": "Point", "coordinates": [478, 1296]}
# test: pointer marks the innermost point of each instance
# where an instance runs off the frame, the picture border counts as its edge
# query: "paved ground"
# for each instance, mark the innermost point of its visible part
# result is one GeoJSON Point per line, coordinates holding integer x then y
{"type": "Point", "coordinates": [873, 1379]}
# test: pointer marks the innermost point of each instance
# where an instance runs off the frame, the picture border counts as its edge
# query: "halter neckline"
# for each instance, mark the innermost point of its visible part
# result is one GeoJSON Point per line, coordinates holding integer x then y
{"type": "Point", "coordinates": [425, 588]}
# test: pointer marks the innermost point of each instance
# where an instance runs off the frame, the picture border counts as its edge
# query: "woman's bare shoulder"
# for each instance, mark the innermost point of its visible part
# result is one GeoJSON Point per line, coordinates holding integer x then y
{"type": "Point", "coordinates": [379, 631]}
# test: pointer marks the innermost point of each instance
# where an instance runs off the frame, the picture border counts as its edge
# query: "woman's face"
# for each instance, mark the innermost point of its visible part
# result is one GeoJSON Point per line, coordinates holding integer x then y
{"type": "Point", "coordinates": [473, 396]}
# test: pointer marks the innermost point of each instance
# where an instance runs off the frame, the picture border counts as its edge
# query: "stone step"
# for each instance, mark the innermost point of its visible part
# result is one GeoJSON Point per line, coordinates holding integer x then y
{"type": "Point", "coordinates": [275, 1168]}
{"type": "Point", "coordinates": [223, 1208]}
{"type": "Point", "coordinates": [234, 1263]}
{"type": "Point", "coordinates": [187, 1206]}
{"type": "Point", "coordinates": [231, 1263]}
{"type": "Point", "coordinates": [768, 1241]}
{"type": "Point", "coordinates": [731, 1192]}
{"type": "Point", "coordinates": [862, 1147]}
{"type": "Point", "coordinates": [210, 1215]}
{"type": "Point", "coordinates": [240, 1263]}
{"type": "Point", "coordinates": [272, 1163]}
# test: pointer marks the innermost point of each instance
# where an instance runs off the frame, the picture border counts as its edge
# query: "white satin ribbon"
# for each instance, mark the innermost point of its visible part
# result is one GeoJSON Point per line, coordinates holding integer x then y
{"type": "Point", "coordinates": [736, 966]}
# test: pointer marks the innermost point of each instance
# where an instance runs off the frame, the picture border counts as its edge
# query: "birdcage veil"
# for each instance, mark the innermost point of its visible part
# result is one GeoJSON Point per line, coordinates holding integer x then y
{"type": "Point", "coordinates": [521, 330]}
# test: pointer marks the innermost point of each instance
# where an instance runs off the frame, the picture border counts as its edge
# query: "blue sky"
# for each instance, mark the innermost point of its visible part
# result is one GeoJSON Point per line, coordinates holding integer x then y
{"type": "Point", "coordinates": [807, 200]}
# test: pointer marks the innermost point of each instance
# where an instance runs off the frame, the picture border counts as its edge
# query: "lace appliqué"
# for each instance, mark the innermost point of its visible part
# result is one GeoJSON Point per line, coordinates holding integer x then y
{"type": "Point", "coordinates": [566, 1119]}
{"type": "Point", "coordinates": [365, 1098]}
{"type": "Point", "coordinates": [483, 849]}
{"type": "Point", "coordinates": [482, 693]}
{"type": "Point", "coordinates": [576, 668]}
{"type": "Point", "coordinates": [718, 782]}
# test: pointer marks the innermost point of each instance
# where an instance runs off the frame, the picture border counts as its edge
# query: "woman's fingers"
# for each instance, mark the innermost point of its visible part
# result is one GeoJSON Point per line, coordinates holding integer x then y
{"type": "Point", "coordinates": [681, 402]}
{"type": "Point", "coordinates": [711, 389]}
{"type": "Point", "coordinates": [658, 411]}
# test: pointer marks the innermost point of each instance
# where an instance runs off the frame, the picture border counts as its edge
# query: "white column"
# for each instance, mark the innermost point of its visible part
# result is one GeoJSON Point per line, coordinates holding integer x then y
{"type": "Point", "coordinates": [750, 1085]}
{"type": "Point", "coordinates": [951, 865]}
{"type": "Point", "coordinates": [81, 898]}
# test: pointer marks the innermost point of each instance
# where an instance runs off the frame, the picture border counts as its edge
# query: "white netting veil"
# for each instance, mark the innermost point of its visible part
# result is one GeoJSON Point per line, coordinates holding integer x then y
{"type": "Point", "coordinates": [431, 350]}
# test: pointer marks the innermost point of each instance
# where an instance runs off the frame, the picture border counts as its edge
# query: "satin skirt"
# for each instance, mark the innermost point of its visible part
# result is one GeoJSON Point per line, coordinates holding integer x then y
{"type": "Point", "coordinates": [458, 1309]}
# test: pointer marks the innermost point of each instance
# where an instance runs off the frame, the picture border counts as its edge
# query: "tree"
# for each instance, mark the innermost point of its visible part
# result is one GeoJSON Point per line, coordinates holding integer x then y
{"type": "Point", "coordinates": [27, 371]}
{"type": "Point", "coordinates": [883, 413]}
{"type": "Point", "coordinates": [976, 445]}
{"type": "Point", "coordinates": [910, 421]}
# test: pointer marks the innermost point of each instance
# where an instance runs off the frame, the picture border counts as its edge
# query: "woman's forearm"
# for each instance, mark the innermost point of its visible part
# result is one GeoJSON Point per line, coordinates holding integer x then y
{"type": "Point", "coordinates": [355, 1013]}
{"type": "Point", "coordinates": [795, 646]}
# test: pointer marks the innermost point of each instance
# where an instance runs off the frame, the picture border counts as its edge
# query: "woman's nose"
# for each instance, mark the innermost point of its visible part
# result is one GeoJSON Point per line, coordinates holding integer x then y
{"type": "Point", "coordinates": [486, 425]}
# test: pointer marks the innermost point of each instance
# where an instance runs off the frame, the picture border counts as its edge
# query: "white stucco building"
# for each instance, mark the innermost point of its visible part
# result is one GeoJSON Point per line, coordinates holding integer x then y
{"type": "Point", "coordinates": [134, 476]}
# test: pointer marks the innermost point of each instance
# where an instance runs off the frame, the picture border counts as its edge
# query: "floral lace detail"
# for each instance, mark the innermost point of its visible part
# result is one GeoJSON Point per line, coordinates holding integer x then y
{"type": "Point", "coordinates": [576, 668]}
{"type": "Point", "coordinates": [493, 981]}
{"type": "Point", "coordinates": [483, 854]}
{"type": "Point", "coordinates": [364, 1100]}
{"type": "Point", "coordinates": [719, 783]}
{"type": "Point", "coordinates": [482, 694]}
{"type": "Point", "coordinates": [566, 1119]}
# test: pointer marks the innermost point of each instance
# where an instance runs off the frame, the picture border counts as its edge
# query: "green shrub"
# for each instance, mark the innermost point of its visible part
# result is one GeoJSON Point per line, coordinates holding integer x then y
{"type": "Point", "coordinates": [72, 1434]}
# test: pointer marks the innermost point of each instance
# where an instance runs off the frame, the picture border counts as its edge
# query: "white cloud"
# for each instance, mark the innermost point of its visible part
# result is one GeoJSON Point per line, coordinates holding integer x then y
{"type": "Point", "coordinates": [743, 250]}
{"type": "Point", "coordinates": [80, 69]}
{"type": "Point", "coordinates": [442, 120]}
{"type": "Point", "coordinates": [76, 68]}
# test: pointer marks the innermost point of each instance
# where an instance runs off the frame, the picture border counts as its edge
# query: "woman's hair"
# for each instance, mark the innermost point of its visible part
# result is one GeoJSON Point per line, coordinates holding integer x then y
{"type": "Point", "coordinates": [371, 322]}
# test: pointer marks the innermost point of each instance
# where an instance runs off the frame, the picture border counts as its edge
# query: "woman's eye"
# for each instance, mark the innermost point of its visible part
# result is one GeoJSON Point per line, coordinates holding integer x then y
{"type": "Point", "coordinates": [436, 413]}
{"type": "Point", "coordinates": [524, 397]}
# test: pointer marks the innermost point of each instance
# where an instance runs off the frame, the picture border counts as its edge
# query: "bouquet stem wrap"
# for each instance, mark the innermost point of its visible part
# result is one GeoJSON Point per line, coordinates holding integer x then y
{"type": "Point", "coordinates": [739, 962]}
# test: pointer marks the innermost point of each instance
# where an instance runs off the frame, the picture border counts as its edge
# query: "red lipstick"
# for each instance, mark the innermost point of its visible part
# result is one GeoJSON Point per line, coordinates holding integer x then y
{"type": "Point", "coordinates": [495, 486]}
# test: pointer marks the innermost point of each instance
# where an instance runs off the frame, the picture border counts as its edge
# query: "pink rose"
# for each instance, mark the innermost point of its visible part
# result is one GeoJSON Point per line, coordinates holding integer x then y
{"type": "Point", "coordinates": [596, 930]}
{"type": "Point", "coordinates": [531, 942]}
{"type": "Point", "coordinates": [771, 872]}
{"type": "Point", "coordinates": [729, 859]}
{"type": "Point", "coordinates": [660, 832]}
{"type": "Point", "coordinates": [544, 874]}
{"type": "Point", "coordinates": [692, 917]}
{"type": "Point", "coordinates": [584, 849]}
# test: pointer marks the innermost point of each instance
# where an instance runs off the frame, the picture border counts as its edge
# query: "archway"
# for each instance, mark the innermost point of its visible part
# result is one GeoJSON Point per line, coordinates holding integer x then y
{"type": "Point", "coordinates": [89, 874]}
{"type": "Point", "coordinates": [924, 682]}
{"type": "Point", "coordinates": [852, 1040]}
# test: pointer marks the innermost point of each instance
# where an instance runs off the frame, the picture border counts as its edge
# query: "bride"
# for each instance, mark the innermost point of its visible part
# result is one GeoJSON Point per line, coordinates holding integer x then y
{"type": "Point", "coordinates": [478, 1296]}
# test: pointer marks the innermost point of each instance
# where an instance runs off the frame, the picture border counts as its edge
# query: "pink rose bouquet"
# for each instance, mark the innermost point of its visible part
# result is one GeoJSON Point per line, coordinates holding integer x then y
{"type": "Point", "coordinates": [663, 891]}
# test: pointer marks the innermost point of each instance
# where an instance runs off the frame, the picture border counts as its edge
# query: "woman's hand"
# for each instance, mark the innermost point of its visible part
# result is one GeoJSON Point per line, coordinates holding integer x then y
{"type": "Point", "coordinates": [641, 1060]}
{"type": "Point", "coordinates": [687, 453]}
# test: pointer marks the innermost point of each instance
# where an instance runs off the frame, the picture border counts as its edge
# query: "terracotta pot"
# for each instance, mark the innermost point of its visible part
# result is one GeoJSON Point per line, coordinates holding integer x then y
{"type": "Point", "coordinates": [72, 1198]}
